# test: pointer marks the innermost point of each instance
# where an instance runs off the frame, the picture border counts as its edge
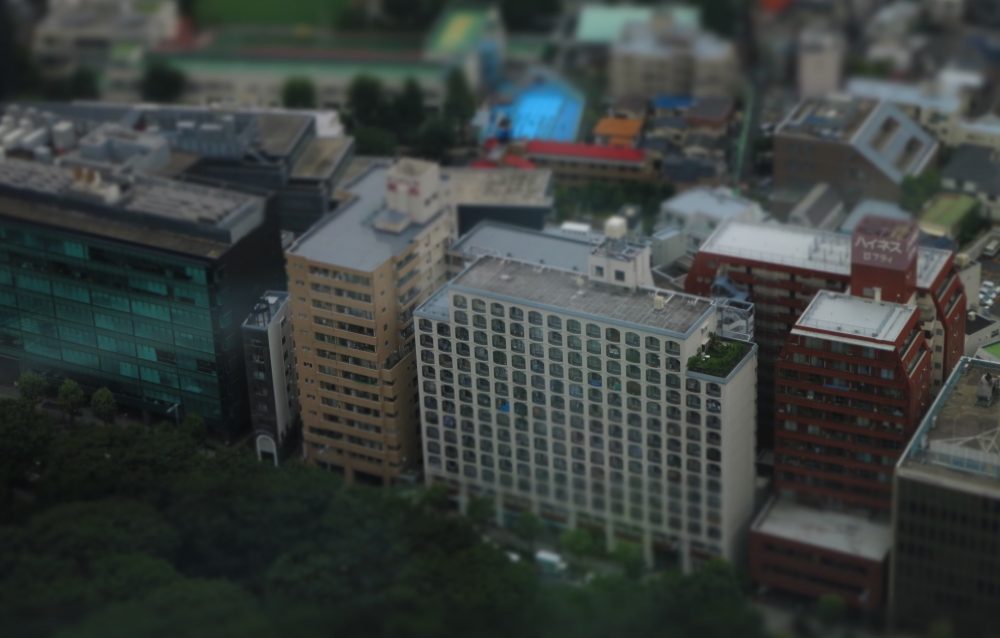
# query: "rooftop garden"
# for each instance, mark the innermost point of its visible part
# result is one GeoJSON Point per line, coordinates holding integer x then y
{"type": "Point", "coordinates": [718, 357]}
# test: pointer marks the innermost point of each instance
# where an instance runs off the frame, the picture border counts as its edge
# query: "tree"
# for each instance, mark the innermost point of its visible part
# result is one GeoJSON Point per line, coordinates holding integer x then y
{"type": "Point", "coordinates": [298, 93]}
{"type": "Point", "coordinates": [579, 542]}
{"type": "Point", "coordinates": [194, 427]}
{"type": "Point", "coordinates": [434, 139]}
{"type": "Point", "coordinates": [32, 387]}
{"type": "Point", "coordinates": [8, 53]}
{"type": "Point", "coordinates": [83, 84]}
{"type": "Point", "coordinates": [408, 110]}
{"type": "Point", "coordinates": [366, 101]}
{"type": "Point", "coordinates": [102, 404]}
{"type": "Point", "coordinates": [830, 609]}
{"type": "Point", "coordinates": [372, 140]}
{"type": "Point", "coordinates": [918, 190]}
{"type": "Point", "coordinates": [459, 103]}
{"type": "Point", "coordinates": [528, 527]}
{"type": "Point", "coordinates": [411, 15]}
{"type": "Point", "coordinates": [519, 15]}
{"type": "Point", "coordinates": [630, 557]}
{"type": "Point", "coordinates": [162, 83]}
{"type": "Point", "coordinates": [71, 398]}
{"type": "Point", "coordinates": [480, 511]}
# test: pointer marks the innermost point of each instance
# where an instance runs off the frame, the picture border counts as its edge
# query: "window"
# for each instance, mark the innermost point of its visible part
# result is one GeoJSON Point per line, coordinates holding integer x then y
{"type": "Point", "coordinates": [619, 275]}
{"type": "Point", "coordinates": [599, 271]}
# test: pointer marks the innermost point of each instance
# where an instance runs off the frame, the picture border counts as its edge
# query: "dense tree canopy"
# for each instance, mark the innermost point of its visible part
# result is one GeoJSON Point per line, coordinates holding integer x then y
{"type": "Point", "coordinates": [133, 531]}
{"type": "Point", "coordinates": [162, 83]}
{"type": "Point", "coordinates": [298, 93]}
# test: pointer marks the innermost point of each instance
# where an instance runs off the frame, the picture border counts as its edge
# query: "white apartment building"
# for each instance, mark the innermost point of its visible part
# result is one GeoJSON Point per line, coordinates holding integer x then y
{"type": "Point", "coordinates": [584, 398]}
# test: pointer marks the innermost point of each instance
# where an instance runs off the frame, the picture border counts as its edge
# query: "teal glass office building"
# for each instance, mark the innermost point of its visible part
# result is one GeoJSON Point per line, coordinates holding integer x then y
{"type": "Point", "coordinates": [143, 294]}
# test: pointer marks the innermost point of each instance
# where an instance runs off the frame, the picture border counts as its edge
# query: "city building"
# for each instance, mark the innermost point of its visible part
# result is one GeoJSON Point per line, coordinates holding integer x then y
{"type": "Point", "coordinates": [670, 53]}
{"type": "Point", "coordinates": [90, 34]}
{"type": "Point", "coordinates": [975, 170]}
{"type": "Point", "coordinates": [509, 195]}
{"type": "Point", "coordinates": [354, 280]}
{"type": "Point", "coordinates": [270, 364]}
{"type": "Point", "coordinates": [981, 331]}
{"type": "Point", "coordinates": [820, 62]}
{"type": "Point", "coordinates": [574, 163]}
{"type": "Point", "coordinates": [699, 211]}
{"type": "Point", "coordinates": [821, 208]}
{"type": "Point", "coordinates": [781, 268]}
{"type": "Point", "coordinates": [598, 27]}
{"type": "Point", "coordinates": [294, 157]}
{"type": "Point", "coordinates": [133, 282]}
{"type": "Point", "coordinates": [946, 510]}
{"type": "Point", "coordinates": [949, 215]}
{"type": "Point", "coordinates": [592, 400]}
{"type": "Point", "coordinates": [873, 208]}
{"type": "Point", "coordinates": [937, 106]}
{"type": "Point", "coordinates": [618, 132]}
{"type": "Point", "coordinates": [946, 13]}
{"type": "Point", "coordinates": [862, 148]}
{"type": "Point", "coordinates": [982, 12]}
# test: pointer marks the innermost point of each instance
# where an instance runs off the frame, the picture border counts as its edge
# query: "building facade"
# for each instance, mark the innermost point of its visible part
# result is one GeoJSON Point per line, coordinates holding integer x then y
{"type": "Point", "coordinates": [354, 280]}
{"type": "Point", "coordinates": [592, 401]}
{"type": "Point", "coordinates": [270, 364]}
{"type": "Point", "coordinates": [946, 510]}
{"type": "Point", "coordinates": [137, 286]}
{"type": "Point", "coordinates": [781, 268]}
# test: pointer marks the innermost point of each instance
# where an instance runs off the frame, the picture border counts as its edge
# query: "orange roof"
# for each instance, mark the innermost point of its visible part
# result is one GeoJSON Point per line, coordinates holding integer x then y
{"type": "Point", "coordinates": [618, 127]}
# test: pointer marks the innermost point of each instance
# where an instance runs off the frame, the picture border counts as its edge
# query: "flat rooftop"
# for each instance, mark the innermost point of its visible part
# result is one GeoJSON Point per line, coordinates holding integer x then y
{"type": "Point", "coordinates": [806, 249]}
{"type": "Point", "coordinates": [836, 117]}
{"type": "Point", "coordinates": [347, 237]}
{"type": "Point", "coordinates": [500, 186]}
{"type": "Point", "coordinates": [565, 292]}
{"type": "Point", "coordinates": [854, 535]}
{"type": "Point", "coordinates": [877, 207]}
{"type": "Point", "coordinates": [946, 210]}
{"type": "Point", "coordinates": [855, 317]}
{"type": "Point", "coordinates": [905, 93]}
{"type": "Point", "coordinates": [958, 442]}
{"type": "Point", "coordinates": [495, 239]}
{"type": "Point", "coordinates": [717, 203]}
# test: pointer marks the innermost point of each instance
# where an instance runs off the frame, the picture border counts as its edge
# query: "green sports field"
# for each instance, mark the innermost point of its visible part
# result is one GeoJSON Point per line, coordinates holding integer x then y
{"type": "Point", "coordinates": [314, 13]}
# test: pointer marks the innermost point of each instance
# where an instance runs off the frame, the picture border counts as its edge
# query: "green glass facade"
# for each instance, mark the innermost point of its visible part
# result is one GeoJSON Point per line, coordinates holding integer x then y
{"type": "Point", "coordinates": [158, 329]}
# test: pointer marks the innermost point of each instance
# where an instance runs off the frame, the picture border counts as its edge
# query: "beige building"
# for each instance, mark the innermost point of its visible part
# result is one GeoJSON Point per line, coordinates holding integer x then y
{"type": "Point", "coordinates": [668, 55]}
{"type": "Point", "coordinates": [354, 280]}
{"type": "Point", "coordinates": [820, 62]}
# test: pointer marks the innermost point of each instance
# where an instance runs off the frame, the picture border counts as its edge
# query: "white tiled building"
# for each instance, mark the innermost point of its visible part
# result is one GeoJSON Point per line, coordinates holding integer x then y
{"type": "Point", "coordinates": [573, 397]}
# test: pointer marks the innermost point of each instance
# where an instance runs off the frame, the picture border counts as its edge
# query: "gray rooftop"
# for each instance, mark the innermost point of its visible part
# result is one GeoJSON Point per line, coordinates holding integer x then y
{"type": "Point", "coordinates": [979, 165]}
{"type": "Point", "coordinates": [321, 158]}
{"type": "Point", "coordinates": [490, 238]}
{"type": "Point", "coordinates": [565, 292]}
{"type": "Point", "coordinates": [843, 532]}
{"type": "Point", "coordinates": [807, 248]}
{"type": "Point", "coordinates": [958, 442]}
{"type": "Point", "coordinates": [146, 203]}
{"type": "Point", "coordinates": [876, 207]}
{"type": "Point", "coordinates": [347, 237]}
{"type": "Point", "coordinates": [502, 186]}
{"type": "Point", "coordinates": [845, 315]}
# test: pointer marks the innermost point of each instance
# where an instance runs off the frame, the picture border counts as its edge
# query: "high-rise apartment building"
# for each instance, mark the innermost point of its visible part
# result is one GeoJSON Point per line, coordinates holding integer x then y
{"type": "Point", "coordinates": [591, 399]}
{"type": "Point", "coordinates": [946, 510]}
{"type": "Point", "coordinates": [781, 268]}
{"type": "Point", "coordinates": [131, 282]}
{"type": "Point", "coordinates": [270, 365]}
{"type": "Point", "coordinates": [853, 382]}
{"type": "Point", "coordinates": [354, 280]}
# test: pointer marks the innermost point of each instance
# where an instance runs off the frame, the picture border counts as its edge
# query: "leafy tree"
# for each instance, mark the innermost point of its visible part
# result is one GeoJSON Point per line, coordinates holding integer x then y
{"type": "Point", "coordinates": [941, 629]}
{"type": "Point", "coordinates": [9, 81]}
{"type": "Point", "coordinates": [434, 139]}
{"type": "Point", "coordinates": [830, 609]}
{"type": "Point", "coordinates": [374, 141]}
{"type": "Point", "coordinates": [528, 527]}
{"type": "Point", "coordinates": [102, 404]}
{"type": "Point", "coordinates": [580, 542]}
{"type": "Point", "coordinates": [480, 511]}
{"type": "Point", "coordinates": [366, 101]}
{"type": "Point", "coordinates": [520, 15]}
{"type": "Point", "coordinates": [411, 14]}
{"type": "Point", "coordinates": [630, 557]}
{"type": "Point", "coordinates": [32, 387]}
{"type": "Point", "coordinates": [25, 437]}
{"type": "Point", "coordinates": [83, 84]}
{"type": "Point", "coordinates": [459, 103]}
{"type": "Point", "coordinates": [408, 110]}
{"type": "Point", "coordinates": [193, 425]}
{"type": "Point", "coordinates": [71, 398]}
{"type": "Point", "coordinates": [918, 190]}
{"type": "Point", "coordinates": [298, 93]}
{"type": "Point", "coordinates": [162, 83]}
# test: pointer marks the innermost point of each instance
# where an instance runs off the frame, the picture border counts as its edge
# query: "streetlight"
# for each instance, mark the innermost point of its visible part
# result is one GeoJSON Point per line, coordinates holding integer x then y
{"type": "Point", "coordinates": [176, 410]}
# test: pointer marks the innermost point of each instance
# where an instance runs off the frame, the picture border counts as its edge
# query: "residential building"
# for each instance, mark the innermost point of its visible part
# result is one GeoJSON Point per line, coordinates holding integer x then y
{"type": "Point", "coordinates": [946, 510]}
{"type": "Point", "coordinates": [133, 282]}
{"type": "Point", "coordinates": [975, 170]}
{"type": "Point", "coordinates": [618, 132]}
{"type": "Point", "coordinates": [937, 105]}
{"type": "Point", "coordinates": [873, 208]}
{"type": "Point", "coordinates": [270, 365]}
{"type": "Point", "coordinates": [89, 34]}
{"type": "Point", "coordinates": [781, 268]}
{"type": "Point", "coordinates": [598, 27]}
{"type": "Point", "coordinates": [573, 163]}
{"type": "Point", "coordinates": [670, 53]}
{"type": "Point", "coordinates": [699, 211]}
{"type": "Point", "coordinates": [354, 280]}
{"type": "Point", "coordinates": [821, 208]}
{"type": "Point", "coordinates": [820, 62]}
{"type": "Point", "coordinates": [980, 331]}
{"type": "Point", "coordinates": [592, 400]}
{"type": "Point", "coordinates": [862, 148]}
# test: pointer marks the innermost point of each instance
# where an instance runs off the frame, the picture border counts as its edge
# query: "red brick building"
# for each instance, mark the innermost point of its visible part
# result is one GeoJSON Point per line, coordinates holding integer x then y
{"type": "Point", "coordinates": [781, 268]}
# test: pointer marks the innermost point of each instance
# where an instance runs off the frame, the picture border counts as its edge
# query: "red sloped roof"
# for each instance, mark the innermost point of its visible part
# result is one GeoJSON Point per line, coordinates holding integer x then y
{"type": "Point", "coordinates": [775, 6]}
{"type": "Point", "coordinates": [584, 151]}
